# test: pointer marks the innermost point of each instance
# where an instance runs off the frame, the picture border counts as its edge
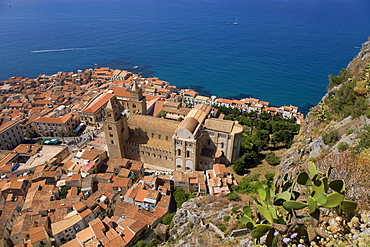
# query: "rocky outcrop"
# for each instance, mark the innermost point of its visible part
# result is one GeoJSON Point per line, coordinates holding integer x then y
{"type": "Point", "coordinates": [200, 222]}
{"type": "Point", "coordinates": [362, 55]}
{"type": "Point", "coordinates": [310, 146]}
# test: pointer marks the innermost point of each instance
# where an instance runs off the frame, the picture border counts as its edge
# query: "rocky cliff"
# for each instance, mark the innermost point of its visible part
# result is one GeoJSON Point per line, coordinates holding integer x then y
{"type": "Point", "coordinates": [342, 151]}
{"type": "Point", "coordinates": [209, 221]}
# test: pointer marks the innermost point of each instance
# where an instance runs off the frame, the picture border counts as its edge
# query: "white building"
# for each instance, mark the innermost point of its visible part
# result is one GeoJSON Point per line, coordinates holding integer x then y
{"type": "Point", "coordinates": [10, 135]}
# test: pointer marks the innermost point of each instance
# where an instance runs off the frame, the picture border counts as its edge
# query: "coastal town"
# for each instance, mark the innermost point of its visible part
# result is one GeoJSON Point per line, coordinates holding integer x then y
{"type": "Point", "coordinates": [92, 158]}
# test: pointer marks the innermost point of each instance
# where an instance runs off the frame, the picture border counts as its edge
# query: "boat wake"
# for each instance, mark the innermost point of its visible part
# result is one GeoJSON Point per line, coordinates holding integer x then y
{"type": "Point", "coordinates": [65, 49]}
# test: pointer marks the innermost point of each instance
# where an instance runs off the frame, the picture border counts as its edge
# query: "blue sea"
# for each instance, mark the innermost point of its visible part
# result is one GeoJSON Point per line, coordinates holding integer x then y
{"type": "Point", "coordinates": [281, 51]}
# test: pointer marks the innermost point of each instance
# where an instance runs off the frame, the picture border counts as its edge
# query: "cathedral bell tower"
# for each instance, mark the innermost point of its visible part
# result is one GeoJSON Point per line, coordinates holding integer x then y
{"type": "Point", "coordinates": [137, 102]}
{"type": "Point", "coordinates": [115, 129]}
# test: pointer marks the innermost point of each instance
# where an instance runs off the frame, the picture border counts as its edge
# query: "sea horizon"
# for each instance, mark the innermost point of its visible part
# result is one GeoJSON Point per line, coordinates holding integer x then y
{"type": "Point", "coordinates": [281, 52]}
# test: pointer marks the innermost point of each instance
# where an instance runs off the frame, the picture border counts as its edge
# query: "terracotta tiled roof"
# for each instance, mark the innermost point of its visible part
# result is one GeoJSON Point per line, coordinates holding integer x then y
{"type": "Point", "coordinates": [120, 91]}
{"type": "Point", "coordinates": [118, 241]}
{"type": "Point", "coordinates": [59, 120]}
{"type": "Point", "coordinates": [121, 182]}
{"type": "Point", "coordinates": [149, 122]}
{"type": "Point", "coordinates": [140, 196]}
{"type": "Point", "coordinates": [98, 103]}
{"type": "Point", "coordinates": [219, 169]}
{"type": "Point", "coordinates": [73, 243]}
{"type": "Point", "coordinates": [226, 101]}
{"type": "Point", "coordinates": [85, 234]}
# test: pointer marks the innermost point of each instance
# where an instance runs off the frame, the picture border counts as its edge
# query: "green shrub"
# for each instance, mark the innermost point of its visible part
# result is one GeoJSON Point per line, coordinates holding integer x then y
{"type": "Point", "coordinates": [64, 191]}
{"type": "Point", "coordinates": [181, 196]}
{"type": "Point", "coordinates": [272, 159]}
{"type": "Point", "coordinates": [167, 219]}
{"type": "Point", "coordinates": [330, 137]}
{"type": "Point", "coordinates": [234, 187]}
{"type": "Point", "coordinates": [227, 218]}
{"type": "Point", "coordinates": [232, 196]}
{"type": "Point", "coordinates": [343, 76]}
{"type": "Point", "coordinates": [222, 228]}
{"type": "Point", "coordinates": [270, 176]}
{"type": "Point", "coordinates": [251, 184]}
{"type": "Point", "coordinates": [343, 146]}
{"type": "Point", "coordinates": [349, 131]}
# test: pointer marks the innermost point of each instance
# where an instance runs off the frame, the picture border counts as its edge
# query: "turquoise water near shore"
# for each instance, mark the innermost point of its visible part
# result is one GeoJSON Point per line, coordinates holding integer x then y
{"type": "Point", "coordinates": [281, 51]}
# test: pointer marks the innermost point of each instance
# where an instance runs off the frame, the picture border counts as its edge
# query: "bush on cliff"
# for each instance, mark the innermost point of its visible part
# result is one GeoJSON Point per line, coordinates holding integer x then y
{"type": "Point", "coordinates": [338, 79]}
{"type": "Point", "coordinates": [181, 196]}
{"type": "Point", "coordinates": [330, 137]}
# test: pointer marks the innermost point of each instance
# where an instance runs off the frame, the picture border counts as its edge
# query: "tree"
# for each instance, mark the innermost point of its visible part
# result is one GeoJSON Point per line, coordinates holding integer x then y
{"type": "Point", "coordinates": [262, 125]}
{"type": "Point", "coordinates": [229, 117]}
{"type": "Point", "coordinates": [265, 116]}
{"type": "Point", "coordinates": [272, 159]}
{"type": "Point", "coordinates": [239, 166]}
{"type": "Point", "coordinates": [61, 134]}
{"type": "Point", "coordinates": [245, 121]}
{"type": "Point", "coordinates": [242, 162]}
{"type": "Point", "coordinates": [30, 134]}
{"type": "Point", "coordinates": [72, 133]}
{"type": "Point", "coordinates": [64, 191]}
{"type": "Point", "coordinates": [282, 136]}
{"type": "Point", "coordinates": [261, 139]}
{"type": "Point", "coordinates": [163, 113]}
{"type": "Point", "coordinates": [246, 144]}
{"type": "Point", "coordinates": [181, 196]}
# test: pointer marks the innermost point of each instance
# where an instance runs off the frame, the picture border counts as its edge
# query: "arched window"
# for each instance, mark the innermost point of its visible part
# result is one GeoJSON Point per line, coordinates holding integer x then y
{"type": "Point", "coordinates": [178, 152]}
{"type": "Point", "coordinates": [187, 154]}
{"type": "Point", "coordinates": [222, 145]}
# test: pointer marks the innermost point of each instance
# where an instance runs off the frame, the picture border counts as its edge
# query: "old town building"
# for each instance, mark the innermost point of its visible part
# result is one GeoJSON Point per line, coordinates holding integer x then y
{"type": "Point", "coordinates": [10, 135]}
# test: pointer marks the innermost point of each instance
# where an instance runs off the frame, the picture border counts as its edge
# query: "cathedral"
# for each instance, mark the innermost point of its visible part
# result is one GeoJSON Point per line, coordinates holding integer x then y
{"type": "Point", "coordinates": [196, 143]}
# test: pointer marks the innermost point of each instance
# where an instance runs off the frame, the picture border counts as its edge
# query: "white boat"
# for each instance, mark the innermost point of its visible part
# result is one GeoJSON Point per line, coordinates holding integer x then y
{"type": "Point", "coordinates": [236, 21]}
